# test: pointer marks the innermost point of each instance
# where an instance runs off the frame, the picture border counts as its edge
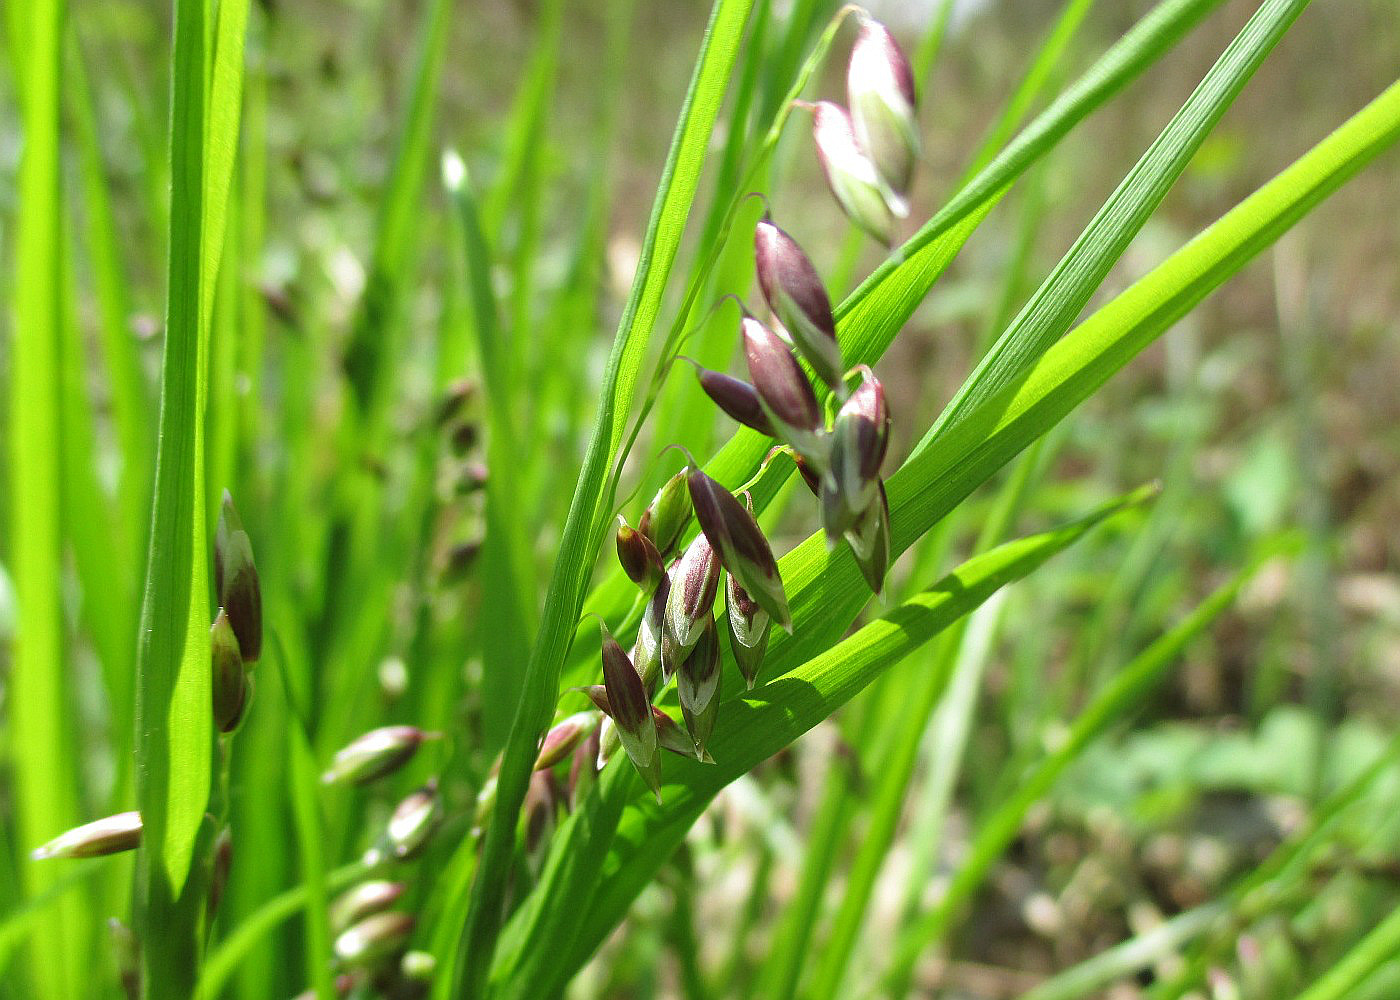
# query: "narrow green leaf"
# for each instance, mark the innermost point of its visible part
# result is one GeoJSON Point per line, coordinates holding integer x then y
{"type": "Point", "coordinates": [507, 603]}
{"type": "Point", "coordinates": [371, 335]}
{"type": "Point", "coordinates": [174, 729]}
{"type": "Point", "coordinates": [174, 726]}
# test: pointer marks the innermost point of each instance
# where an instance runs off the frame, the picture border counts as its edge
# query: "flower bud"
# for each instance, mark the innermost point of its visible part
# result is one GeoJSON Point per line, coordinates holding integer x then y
{"type": "Point", "coordinates": [459, 560]}
{"type": "Point", "coordinates": [486, 799]}
{"type": "Point", "coordinates": [374, 896]}
{"type": "Point", "coordinates": [851, 175]}
{"type": "Point", "coordinates": [377, 753]}
{"type": "Point", "coordinates": [464, 437]}
{"type": "Point", "coordinates": [583, 769]}
{"type": "Point", "coordinates": [543, 800]}
{"type": "Point", "coordinates": [631, 711]}
{"type": "Point", "coordinates": [418, 967]}
{"type": "Point", "coordinates": [880, 88]}
{"type": "Point", "coordinates": [414, 821]}
{"type": "Point", "coordinates": [229, 682]}
{"type": "Point", "coordinates": [870, 541]}
{"type": "Point", "coordinates": [809, 475]}
{"type": "Point", "coordinates": [672, 737]}
{"type": "Point", "coordinates": [127, 954]}
{"type": "Point", "coordinates": [783, 388]}
{"type": "Point", "coordinates": [344, 983]}
{"type": "Point", "coordinates": [638, 556]}
{"type": "Point", "coordinates": [560, 741]}
{"type": "Point", "coordinates": [798, 298]}
{"type": "Point", "coordinates": [736, 398]}
{"type": "Point", "coordinates": [748, 629]}
{"type": "Point", "coordinates": [739, 542]}
{"type": "Point", "coordinates": [471, 478]}
{"type": "Point", "coordinates": [859, 439]}
{"type": "Point", "coordinates": [454, 400]}
{"type": "Point", "coordinates": [666, 517]}
{"type": "Point", "coordinates": [651, 655]}
{"type": "Point", "coordinates": [375, 939]}
{"type": "Point", "coordinates": [236, 579]}
{"type": "Point", "coordinates": [694, 584]}
{"type": "Point", "coordinates": [608, 742]}
{"type": "Point", "coordinates": [697, 685]}
{"type": "Point", "coordinates": [221, 866]}
{"type": "Point", "coordinates": [110, 835]}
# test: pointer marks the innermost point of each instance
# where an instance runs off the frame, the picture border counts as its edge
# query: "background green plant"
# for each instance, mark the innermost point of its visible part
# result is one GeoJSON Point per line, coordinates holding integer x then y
{"type": "Point", "coordinates": [1160, 760]}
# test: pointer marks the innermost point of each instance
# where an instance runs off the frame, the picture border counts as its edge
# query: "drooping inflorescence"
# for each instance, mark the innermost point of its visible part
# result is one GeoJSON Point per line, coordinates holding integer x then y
{"type": "Point", "coordinates": [867, 152]}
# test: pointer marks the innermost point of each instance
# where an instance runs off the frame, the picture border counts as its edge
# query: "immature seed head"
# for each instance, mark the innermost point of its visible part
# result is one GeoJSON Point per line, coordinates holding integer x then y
{"type": "Point", "coordinates": [560, 741]}
{"type": "Point", "coordinates": [236, 580]}
{"type": "Point", "coordinates": [736, 398]}
{"type": "Point", "coordinates": [374, 896]}
{"type": "Point", "coordinates": [870, 541]}
{"type": "Point", "coordinates": [229, 681]}
{"type": "Point", "coordinates": [375, 754]}
{"type": "Point", "coordinates": [638, 556]}
{"type": "Point", "coordinates": [374, 940]}
{"type": "Point", "coordinates": [694, 584]}
{"type": "Point", "coordinates": [110, 835]}
{"type": "Point", "coordinates": [748, 629]}
{"type": "Point", "coordinates": [630, 711]}
{"type": "Point", "coordinates": [880, 88]}
{"type": "Point", "coordinates": [851, 175]}
{"type": "Point", "coordinates": [697, 686]}
{"type": "Point", "coordinates": [740, 544]}
{"type": "Point", "coordinates": [783, 389]}
{"type": "Point", "coordinates": [859, 439]}
{"type": "Point", "coordinates": [798, 298]}
{"type": "Point", "coordinates": [414, 821]}
{"type": "Point", "coordinates": [666, 517]}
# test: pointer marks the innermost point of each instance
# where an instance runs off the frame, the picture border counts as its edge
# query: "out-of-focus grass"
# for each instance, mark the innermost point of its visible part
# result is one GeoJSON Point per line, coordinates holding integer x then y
{"type": "Point", "coordinates": [1270, 407]}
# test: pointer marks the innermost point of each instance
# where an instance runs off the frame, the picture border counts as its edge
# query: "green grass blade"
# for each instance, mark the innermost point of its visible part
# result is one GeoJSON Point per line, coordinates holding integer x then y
{"type": "Point", "coordinates": [1115, 701]}
{"type": "Point", "coordinates": [174, 726]}
{"type": "Point", "coordinates": [507, 603]}
{"type": "Point", "coordinates": [132, 407]}
{"type": "Point", "coordinates": [46, 792]}
{"type": "Point", "coordinates": [761, 722]}
{"type": "Point", "coordinates": [311, 845]}
{"type": "Point", "coordinates": [174, 731]}
{"type": "Point", "coordinates": [1068, 288]}
{"type": "Point", "coordinates": [591, 505]}
{"type": "Point", "coordinates": [371, 335]}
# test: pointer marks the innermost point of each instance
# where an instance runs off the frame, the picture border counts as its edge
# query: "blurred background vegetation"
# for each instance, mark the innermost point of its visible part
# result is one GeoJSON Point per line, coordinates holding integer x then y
{"type": "Point", "coordinates": [1273, 406]}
